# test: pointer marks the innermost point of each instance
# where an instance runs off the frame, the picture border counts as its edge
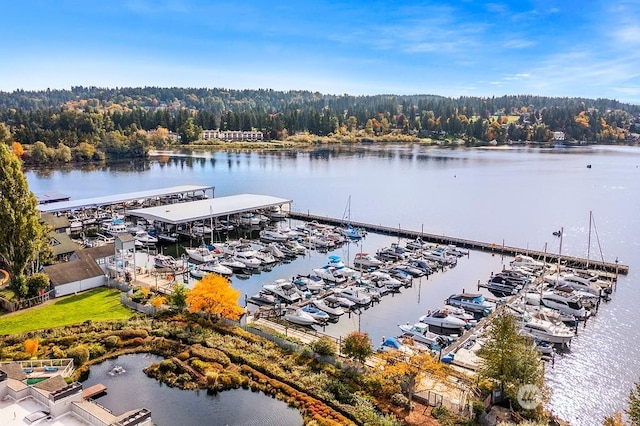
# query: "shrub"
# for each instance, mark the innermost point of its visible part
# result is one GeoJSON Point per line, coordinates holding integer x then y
{"type": "Point", "coordinates": [324, 346]}
{"type": "Point", "coordinates": [111, 342]}
{"type": "Point", "coordinates": [340, 391]}
{"type": "Point", "coordinates": [58, 353]}
{"type": "Point", "coordinates": [210, 354]}
{"type": "Point", "coordinates": [96, 350]}
{"type": "Point", "coordinates": [400, 400]}
{"type": "Point", "coordinates": [439, 412]}
{"type": "Point", "coordinates": [79, 353]}
{"type": "Point", "coordinates": [166, 365]}
{"type": "Point", "coordinates": [183, 356]}
{"type": "Point", "coordinates": [132, 333]}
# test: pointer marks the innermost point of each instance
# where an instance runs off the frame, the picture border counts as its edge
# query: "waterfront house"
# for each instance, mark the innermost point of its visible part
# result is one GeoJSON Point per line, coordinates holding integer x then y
{"type": "Point", "coordinates": [52, 399]}
{"type": "Point", "coordinates": [86, 269]}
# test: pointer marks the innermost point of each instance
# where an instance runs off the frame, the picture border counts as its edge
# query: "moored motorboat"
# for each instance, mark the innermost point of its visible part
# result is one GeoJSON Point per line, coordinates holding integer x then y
{"type": "Point", "coordinates": [420, 333]}
{"type": "Point", "coordinates": [215, 267]}
{"type": "Point", "coordinates": [365, 260]}
{"type": "Point", "coordinates": [283, 290]}
{"type": "Point", "coordinates": [298, 316]}
{"type": "Point", "coordinates": [317, 313]}
{"type": "Point", "coordinates": [329, 305]}
{"type": "Point", "coordinates": [353, 294]}
{"type": "Point", "coordinates": [442, 322]}
{"type": "Point", "coordinates": [162, 261]}
{"type": "Point", "coordinates": [145, 238]}
{"type": "Point", "coordinates": [472, 302]}
{"type": "Point", "coordinates": [200, 254]}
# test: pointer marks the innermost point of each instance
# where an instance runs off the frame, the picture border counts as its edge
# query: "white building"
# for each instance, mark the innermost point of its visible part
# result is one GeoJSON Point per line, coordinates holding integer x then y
{"type": "Point", "coordinates": [232, 135]}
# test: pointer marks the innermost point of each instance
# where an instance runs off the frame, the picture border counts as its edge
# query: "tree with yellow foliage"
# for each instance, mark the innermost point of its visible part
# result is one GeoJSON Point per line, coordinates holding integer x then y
{"type": "Point", "coordinates": [408, 372]}
{"type": "Point", "coordinates": [158, 301]}
{"type": "Point", "coordinates": [31, 346]}
{"type": "Point", "coordinates": [214, 295]}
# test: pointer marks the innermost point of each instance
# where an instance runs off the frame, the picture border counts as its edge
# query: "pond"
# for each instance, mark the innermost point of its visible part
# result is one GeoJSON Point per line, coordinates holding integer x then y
{"type": "Point", "coordinates": [171, 406]}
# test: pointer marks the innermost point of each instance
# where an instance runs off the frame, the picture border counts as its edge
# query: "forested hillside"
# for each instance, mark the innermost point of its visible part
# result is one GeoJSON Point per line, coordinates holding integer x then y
{"type": "Point", "coordinates": [108, 118]}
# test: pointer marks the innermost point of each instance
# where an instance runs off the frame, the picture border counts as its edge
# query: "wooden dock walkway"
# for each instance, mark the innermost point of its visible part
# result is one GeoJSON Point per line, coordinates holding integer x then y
{"type": "Point", "coordinates": [569, 261]}
{"type": "Point", "coordinates": [94, 390]}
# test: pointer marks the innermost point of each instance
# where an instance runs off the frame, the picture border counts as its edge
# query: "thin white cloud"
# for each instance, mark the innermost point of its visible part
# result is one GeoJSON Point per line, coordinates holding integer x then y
{"type": "Point", "coordinates": [518, 43]}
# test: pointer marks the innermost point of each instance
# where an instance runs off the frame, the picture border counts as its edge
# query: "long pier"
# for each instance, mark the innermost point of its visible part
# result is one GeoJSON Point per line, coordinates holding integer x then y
{"type": "Point", "coordinates": [569, 261]}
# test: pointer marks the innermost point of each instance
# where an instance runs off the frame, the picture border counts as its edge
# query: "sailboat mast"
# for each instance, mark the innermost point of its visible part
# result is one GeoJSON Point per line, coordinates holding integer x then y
{"type": "Point", "coordinates": [560, 249]}
{"type": "Point", "coordinates": [589, 239]}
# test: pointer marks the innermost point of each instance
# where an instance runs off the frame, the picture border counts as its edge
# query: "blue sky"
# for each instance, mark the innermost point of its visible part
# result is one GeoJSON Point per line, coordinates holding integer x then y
{"type": "Point", "coordinates": [450, 48]}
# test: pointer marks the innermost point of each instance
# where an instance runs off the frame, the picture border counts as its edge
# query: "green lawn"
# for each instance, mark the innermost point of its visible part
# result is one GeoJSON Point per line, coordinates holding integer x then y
{"type": "Point", "coordinates": [99, 304]}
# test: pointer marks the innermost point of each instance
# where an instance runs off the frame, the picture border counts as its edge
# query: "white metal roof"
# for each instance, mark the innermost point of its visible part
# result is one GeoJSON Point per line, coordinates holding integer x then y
{"type": "Point", "coordinates": [205, 209]}
{"type": "Point", "coordinates": [120, 198]}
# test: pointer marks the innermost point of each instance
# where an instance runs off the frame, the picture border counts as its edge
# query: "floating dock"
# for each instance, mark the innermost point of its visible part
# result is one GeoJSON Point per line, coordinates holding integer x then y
{"type": "Point", "coordinates": [569, 261]}
{"type": "Point", "coordinates": [93, 391]}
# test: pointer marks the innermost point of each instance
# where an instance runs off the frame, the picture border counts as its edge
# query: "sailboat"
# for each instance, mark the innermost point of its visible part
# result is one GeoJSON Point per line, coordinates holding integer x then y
{"type": "Point", "coordinates": [349, 230]}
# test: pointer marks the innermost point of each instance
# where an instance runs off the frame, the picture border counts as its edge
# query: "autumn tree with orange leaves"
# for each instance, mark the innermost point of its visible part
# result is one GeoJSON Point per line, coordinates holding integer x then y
{"type": "Point", "coordinates": [18, 150]}
{"type": "Point", "coordinates": [214, 295]}
{"type": "Point", "coordinates": [31, 346]}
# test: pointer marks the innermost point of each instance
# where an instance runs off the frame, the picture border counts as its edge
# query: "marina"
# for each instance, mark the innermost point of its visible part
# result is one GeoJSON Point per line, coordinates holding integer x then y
{"type": "Point", "coordinates": [569, 261]}
{"type": "Point", "coordinates": [448, 208]}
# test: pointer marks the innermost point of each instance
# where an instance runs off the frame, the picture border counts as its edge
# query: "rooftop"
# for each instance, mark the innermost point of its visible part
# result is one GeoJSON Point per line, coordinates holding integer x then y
{"type": "Point", "coordinates": [208, 208]}
{"type": "Point", "coordinates": [120, 198]}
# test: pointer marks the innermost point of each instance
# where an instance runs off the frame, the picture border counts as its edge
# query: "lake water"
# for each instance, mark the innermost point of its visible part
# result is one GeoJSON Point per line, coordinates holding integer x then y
{"type": "Point", "coordinates": [171, 406]}
{"type": "Point", "coordinates": [513, 196]}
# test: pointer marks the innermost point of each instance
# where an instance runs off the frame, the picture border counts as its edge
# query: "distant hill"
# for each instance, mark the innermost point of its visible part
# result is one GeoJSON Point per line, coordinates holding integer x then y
{"type": "Point", "coordinates": [84, 113]}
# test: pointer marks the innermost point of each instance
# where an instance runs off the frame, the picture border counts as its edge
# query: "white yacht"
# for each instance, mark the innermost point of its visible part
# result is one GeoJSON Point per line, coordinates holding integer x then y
{"type": "Point", "coordinates": [383, 279]}
{"type": "Point", "coordinates": [298, 316]}
{"type": "Point", "coordinates": [443, 322]}
{"type": "Point", "coordinates": [329, 274]}
{"type": "Point", "coordinates": [247, 259]}
{"type": "Point", "coordinates": [271, 235]}
{"type": "Point", "coordinates": [308, 283]}
{"type": "Point", "coordinates": [528, 262]}
{"type": "Point", "coordinates": [216, 267]}
{"type": "Point", "coordinates": [317, 313]}
{"type": "Point", "coordinates": [569, 305]}
{"type": "Point", "coordinates": [573, 281]}
{"type": "Point", "coordinates": [249, 219]}
{"type": "Point", "coordinates": [330, 306]}
{"type": "Point", "coordinates": [283, 290]}
{"type": "Point", "coordinates": [144, 237]}
{"type": "Point", "coordinates": [421, 334]}
{"type": "Point", "coordinates": [546, 330]}
{"type": "Point", "coordinates": [439, 255]}
{"type": "Point", "coordinates": [200, 254]}
{"type": "Point", "coordinates": [365, 260]}
{"type": "Point", "coordinates": [472, 302]}
{"type": "Point", "coordinates": [234, 265]}
{"type": "Point", "coordinates": [114, 227]}
{"type": "Point", "coordinates": [353, 294]}
{"type": "Point", "coordinates": [163, 261]}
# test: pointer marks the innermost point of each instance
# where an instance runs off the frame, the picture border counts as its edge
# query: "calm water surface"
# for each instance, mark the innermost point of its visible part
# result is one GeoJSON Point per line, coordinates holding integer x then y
{"type": "Point", "coordinates": [172, 406]}
{"type": "Point", "coordinates": [515, 196]}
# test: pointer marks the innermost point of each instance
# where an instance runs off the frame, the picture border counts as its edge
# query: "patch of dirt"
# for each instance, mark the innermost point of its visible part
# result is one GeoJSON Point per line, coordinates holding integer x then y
{"type": "Point", "coordinates": [420, 416]}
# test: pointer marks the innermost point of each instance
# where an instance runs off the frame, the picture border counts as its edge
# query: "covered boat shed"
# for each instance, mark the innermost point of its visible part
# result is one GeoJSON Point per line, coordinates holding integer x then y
{"type": "Point", "coordinates": [109, 200]}
{"type": "Point", "coordinates": [193, 211]}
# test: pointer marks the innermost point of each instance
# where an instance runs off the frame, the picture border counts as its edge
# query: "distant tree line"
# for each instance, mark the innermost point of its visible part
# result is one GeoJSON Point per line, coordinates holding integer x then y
{"type": "Point", "coordinates": [117, 122]}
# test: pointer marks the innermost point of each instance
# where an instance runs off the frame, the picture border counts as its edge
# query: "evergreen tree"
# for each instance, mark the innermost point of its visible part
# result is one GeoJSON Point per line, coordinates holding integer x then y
{"type": "Point", "coordinates": [22, 237]}
{"type": "Point", "coordinates": [509, 360]}
{"type": "Point", "coordinates": [634, 405]}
